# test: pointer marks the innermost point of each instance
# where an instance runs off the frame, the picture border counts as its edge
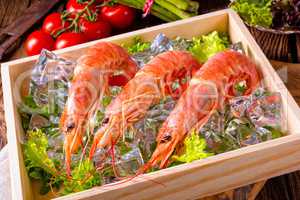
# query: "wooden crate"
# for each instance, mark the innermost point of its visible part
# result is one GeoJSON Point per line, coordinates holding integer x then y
{"type": "Point", "coordinates": [188, 181]}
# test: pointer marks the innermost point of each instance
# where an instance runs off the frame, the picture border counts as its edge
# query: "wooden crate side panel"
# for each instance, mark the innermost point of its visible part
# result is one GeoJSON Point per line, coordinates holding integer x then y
{"type": "Point", "coordinates": [207, 177]}
{"type": "Point", "coordinates": [21, 188]}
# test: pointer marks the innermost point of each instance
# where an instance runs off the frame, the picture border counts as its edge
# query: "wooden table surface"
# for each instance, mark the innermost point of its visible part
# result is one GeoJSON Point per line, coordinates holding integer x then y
{"type": "Point", "coordinates": [285, 187]}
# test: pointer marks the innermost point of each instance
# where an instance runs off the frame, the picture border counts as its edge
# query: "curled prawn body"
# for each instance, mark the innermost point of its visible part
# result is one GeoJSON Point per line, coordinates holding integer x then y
{"type": "Point", "coordinates": [91, 79]}
{"type": "Point", "coordinates": [148, 86]}
{"type": "Point", "coordinates": [210, 87]}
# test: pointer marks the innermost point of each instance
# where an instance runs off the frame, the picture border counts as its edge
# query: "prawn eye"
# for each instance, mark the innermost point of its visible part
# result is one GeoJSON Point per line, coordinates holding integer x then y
{"type": "Point", "coordinates": [167, 137]}
{"type": "Point", "coordinates": [105, 120]}
{"type": "Point", "coordinates": [70, 126]}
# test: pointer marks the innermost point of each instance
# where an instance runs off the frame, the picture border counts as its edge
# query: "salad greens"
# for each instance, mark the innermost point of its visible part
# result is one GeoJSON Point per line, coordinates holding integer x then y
{"type": "Point", "coordinates": [254, 12]}
{"type": "Point", "coordinates": [195, 149]}
{"type": "Point", "coordinates": [276, 133]}
{"type": "Point", "coordinates": [35, 151]}
{"type": "Point", "coordinates": [84, 176]}
{"type": "Point", "coordinates": [37, 162]}
{"type": "Point", "coordinates": [206, 46]}
{"type": "Point", "coordinates": [276, 14]}
{"type": "Point", "coordinates": [286, 14]}
{"type": "Point", "coordinates": [240, 87]}
{"type": "Point", "coordinates": [29, 106]}
{"type": "Point", "coordinates": [137, 46]}
{"type": "Point", "coordinates": [47, 170]}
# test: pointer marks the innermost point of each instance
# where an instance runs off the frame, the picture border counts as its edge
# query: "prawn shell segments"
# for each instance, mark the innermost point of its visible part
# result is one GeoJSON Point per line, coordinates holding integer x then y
{"type": "Point", "coordinates": [210, 88]}
{"type": "Point", "coordinates": [148, 86]}
{"type": "Point", "coordinates": [89, 83]}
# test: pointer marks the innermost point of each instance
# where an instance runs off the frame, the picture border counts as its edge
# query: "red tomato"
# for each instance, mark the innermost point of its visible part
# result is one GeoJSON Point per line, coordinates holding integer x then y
{"type": "Point", "coordinates": [74, 6]}
{"type": "Point", "coordinates": [54, 23]}
{"type": "Point", "coordinates": [37, 41]}
{"type": "Point", "coordinates": [119, 16]}
{"type": "Point", "coordinates": [95, 30]}
{"type": "Point", "coordinates": [68, 39]}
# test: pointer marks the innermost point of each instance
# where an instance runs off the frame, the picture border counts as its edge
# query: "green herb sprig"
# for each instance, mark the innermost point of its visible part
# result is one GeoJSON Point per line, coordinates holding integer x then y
{"type": "Point", "coordinates": [195, 149]}
{"type": "Point", "coordinates": [254, 12]}
{"type": "Point", "coordinates": [206, 46]}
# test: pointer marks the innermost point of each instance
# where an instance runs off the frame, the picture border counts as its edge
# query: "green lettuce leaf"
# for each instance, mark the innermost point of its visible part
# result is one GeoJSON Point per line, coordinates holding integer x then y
{"type": "Point", "coordinates": [35, 152]}
{"type": "Point", "coordinates": [194, 149]}
{"type": "Point", "coordinates": [137, 46]}
{"type": "Point", "coordinates": [254, 12]}
{"type": "Point", "coordinates": [84, 177]}
{"type": "Point", "coordinates": [39, 166]}
{"type": "Point", "coordinates": [29, 106]}
{"type": "Point", "coordinates": [276, 133]}
{"type": "Point", "coordinates": [207, 46]}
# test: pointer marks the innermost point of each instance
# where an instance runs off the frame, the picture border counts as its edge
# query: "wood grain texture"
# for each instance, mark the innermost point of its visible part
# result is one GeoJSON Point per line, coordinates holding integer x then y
{"type": "Point", "coordinates": [290, 74]}
{"type": "Point", "coordinates": [9, 11]}
{"type": "Point", "coordinates": [13, 32]}
{"type": "Point", "coordinates": [285, 187]}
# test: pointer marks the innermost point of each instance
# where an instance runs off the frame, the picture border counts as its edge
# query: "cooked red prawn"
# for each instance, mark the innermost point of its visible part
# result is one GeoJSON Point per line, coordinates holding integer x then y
{"type": "Point", "coordinates": [210, 87]}
{"type": "Point", "coordinates": [148, 86]}
{"type": "Point", "coordinates": [91, 79]}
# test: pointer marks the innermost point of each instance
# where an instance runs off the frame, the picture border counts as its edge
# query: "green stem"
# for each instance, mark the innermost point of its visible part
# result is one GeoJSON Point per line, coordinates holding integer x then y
{"type": "Point", "coordinates": [159, 15]}
{"type": "Point", "coordinates": [74, 23]}
{"type": "Point", "coordinates": [180, 13]}
{"type": "Point", "coordinates": [165, 12]}
{"type": "Point", "coordinates": [187, 5]}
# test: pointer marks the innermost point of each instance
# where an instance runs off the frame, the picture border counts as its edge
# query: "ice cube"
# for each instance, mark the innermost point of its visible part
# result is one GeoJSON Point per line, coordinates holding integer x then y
{"type": "Point", "coordinates": [181, 44]}
{"type": "Point", "coordinates": [50, 81]}
{"type": "Point", "coordinates": [130, 162]}
{"type": "Point", "coordinates": [160, 44]}
{"type": "Point", "coordinates": [238, 46]}
{"type": "Point", "coordinates": [239, 105]}
{"type": "Point", "coordinates": [264, 134]}
{"type": "Point", "coordinates": [265, 110]}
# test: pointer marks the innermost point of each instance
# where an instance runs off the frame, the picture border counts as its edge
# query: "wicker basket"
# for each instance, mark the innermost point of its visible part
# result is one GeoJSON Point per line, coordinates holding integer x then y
{"type": "Point", "coordinates": [276, 44]}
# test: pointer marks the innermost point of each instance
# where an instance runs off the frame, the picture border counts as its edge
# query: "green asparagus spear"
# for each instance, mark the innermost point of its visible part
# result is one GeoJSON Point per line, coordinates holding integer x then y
{"type": "Point", "coordinates": [180, 13]}
{"type": "Point", "coordinates": [187, 5]}
{"type": "Point", "coordinates": [164, 12]}
{"type": "Point", "coordinates": [160, 16]}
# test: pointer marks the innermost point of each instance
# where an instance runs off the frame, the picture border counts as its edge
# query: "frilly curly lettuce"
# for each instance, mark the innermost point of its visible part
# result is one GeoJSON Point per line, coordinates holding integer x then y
{"type": "Point", "coordinates": [138, 46]}
{"type": "Point", "coordinates": [254, 12]}
{"type": "Point", "coordinates": [84, 177]}
{"type": "Point", "coordinates": [37, 162]}
{"type": "Point", "coordinates": [35, 152]}
{"type": "Point", "coordinates": [206, 46]}
{"type": "Point", "coordinates": [41, 167]}
{"type": "Point", "coordinates": [195, 149]}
